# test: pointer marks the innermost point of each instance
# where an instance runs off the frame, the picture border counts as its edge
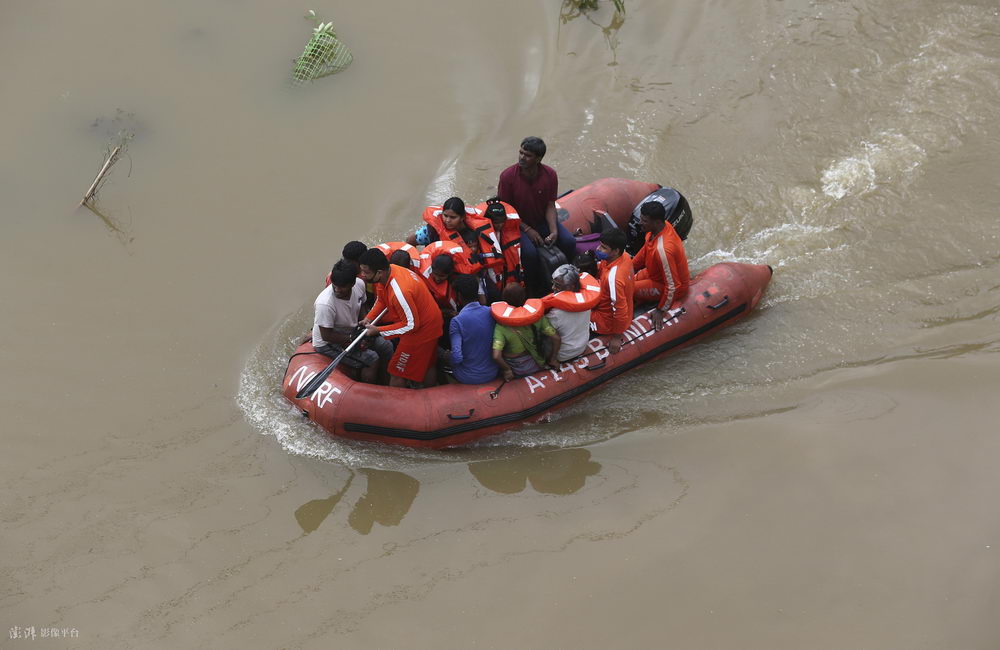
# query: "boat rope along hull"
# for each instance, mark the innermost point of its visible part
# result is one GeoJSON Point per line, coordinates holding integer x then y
{"type": "Point", "coordinates": [456, 414]}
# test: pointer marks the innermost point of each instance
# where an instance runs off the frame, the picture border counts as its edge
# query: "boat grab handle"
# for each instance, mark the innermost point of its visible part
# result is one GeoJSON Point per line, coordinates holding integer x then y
{"type": "Point", "coordinates": [597, 366]}
{"type": "Point", "coordinates": [721, 304]}
{"type": "Point", "coordinates": [462, 417]}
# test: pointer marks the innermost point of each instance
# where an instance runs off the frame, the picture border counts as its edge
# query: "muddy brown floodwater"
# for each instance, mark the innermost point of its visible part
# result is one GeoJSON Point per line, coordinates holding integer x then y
{"type": "Point", "coordinates": [821, 475]}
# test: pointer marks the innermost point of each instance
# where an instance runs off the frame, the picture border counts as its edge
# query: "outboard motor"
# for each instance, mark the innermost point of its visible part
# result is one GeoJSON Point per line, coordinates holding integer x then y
{"type": "Point", "coordinates": [678, 215]}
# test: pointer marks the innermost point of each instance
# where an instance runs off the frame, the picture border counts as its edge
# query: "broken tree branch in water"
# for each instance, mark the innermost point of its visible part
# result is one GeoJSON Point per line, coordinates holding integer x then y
{"type": "Point", "coordinates": [112, 159]}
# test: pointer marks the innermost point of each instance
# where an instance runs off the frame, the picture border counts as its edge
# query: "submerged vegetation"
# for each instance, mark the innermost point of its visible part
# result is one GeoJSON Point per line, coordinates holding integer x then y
{"type": "Point", "coordinates": [591, 5]}
{"type": "Point", "coordinates": [575, 8]}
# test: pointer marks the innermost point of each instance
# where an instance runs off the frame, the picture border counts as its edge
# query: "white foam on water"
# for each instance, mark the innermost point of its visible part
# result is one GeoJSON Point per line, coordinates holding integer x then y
{"type": "Point", "coordinates": [443, 185]}
{"type": "Point", "coordinates": [266, 409]}
{"type": "Point", "coordinates": [888, 158]}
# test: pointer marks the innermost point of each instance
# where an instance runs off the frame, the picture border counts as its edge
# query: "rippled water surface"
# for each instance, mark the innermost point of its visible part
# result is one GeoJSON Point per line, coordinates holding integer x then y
{"type": "Point", "coordinates": [818, 475]}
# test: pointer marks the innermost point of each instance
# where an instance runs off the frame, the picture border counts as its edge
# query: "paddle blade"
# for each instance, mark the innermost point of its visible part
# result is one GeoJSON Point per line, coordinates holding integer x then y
{"type": "Point", "coordinates": [318, 380]}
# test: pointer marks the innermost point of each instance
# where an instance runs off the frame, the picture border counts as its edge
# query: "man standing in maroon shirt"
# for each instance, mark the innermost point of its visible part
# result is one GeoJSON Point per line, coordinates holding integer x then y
{"type": "Point", "coordinates": [531, 188]}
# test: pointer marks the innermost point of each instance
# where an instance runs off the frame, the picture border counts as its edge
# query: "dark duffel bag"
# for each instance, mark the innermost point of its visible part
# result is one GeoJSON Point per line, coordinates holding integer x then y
{"type": "Point", "coordinates": [549, 259]}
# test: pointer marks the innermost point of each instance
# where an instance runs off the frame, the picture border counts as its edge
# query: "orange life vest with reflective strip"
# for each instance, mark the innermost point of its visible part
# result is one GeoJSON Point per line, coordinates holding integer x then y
{"type": "Point", "coordinates": [442, 292]}
{"type": "Point", "coordinates": [582, 300]}
{"type": "Point", "coordinates": [505, 314]}
{"type": "Point", "coordinates": [432, 216]}
{"type": "Point", "coordinates": [504, 264]}
{"type": "Point", "coordinates": [391, 247]}
{"type": "Point", "coordinates": [458, 253]}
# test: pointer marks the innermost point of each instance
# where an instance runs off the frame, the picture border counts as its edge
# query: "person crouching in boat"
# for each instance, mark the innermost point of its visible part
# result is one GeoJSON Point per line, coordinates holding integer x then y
{"type": "Point", "coordinates": [661, 265]}
{"type": "Point", "coordinates": [573, 327]}
{"type": "Point", "coordinates": [520, 349]}
{"type": "Point", "coordinates": [613, 313]}
{"type": "Point", "coordinates": [337, 309]}
{"type": "Point", "coordinates": [443, 223]}
{"type": "Point", "coordinates": [412, 316]}
{"type": "Point", "coordinates": [471, 334]}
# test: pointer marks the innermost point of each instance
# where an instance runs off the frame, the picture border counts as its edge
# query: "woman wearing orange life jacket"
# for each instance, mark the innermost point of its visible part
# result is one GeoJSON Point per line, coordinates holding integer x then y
{"type": "Point", "coordinates": [444, 223]}
{"type": "Point", "coordinates": [504, 264]}
{"type": "Point", "coordinates": [661, 265]}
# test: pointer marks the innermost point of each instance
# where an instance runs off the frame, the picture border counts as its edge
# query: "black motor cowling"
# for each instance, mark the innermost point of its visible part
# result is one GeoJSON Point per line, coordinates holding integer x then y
{"type": "Point", "coordinates": [678, 215]}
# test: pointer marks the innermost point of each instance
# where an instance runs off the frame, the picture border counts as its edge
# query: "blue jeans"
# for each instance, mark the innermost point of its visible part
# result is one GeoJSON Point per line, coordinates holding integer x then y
{"type": "Point", "coordinates": [565, 241]}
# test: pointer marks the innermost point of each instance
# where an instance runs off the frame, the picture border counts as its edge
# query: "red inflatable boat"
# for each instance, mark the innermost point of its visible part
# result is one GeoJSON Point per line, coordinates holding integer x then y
{"type": "Point", "coordinates": [456, 414]}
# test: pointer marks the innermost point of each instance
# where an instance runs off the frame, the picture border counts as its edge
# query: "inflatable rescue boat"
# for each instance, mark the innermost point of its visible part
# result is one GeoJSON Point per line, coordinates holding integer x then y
{"type": "Point", "coordinates": [454, 414]}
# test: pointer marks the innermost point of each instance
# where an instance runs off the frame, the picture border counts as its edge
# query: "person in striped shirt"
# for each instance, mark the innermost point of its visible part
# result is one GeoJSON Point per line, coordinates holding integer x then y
{"type": "Point", "coordinates": [613, 313]}
{"type": "Point", "coordinates": [661, 266]}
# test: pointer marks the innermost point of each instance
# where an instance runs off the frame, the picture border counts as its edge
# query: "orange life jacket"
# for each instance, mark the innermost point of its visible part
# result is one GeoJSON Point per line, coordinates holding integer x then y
{"type": "Point", "coordinates": [582, 300]}
{"type": "Point", "coordinates": [458, 253]}
{"type": "Point", "coordinates": [432, 216]}
{"type": "Point", "coordinates": [391, 247]}
{"type": "Point", "coordinates": [531, 312]}
{"type": "Point", "coordinates": [504, 262]}
{"type": "Point", "coordinates": [444, 294]}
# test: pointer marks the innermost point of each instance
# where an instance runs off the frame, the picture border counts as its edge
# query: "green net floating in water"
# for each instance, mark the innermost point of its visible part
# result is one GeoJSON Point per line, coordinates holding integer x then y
{"type": "Point", "coordinates": [325, 54]}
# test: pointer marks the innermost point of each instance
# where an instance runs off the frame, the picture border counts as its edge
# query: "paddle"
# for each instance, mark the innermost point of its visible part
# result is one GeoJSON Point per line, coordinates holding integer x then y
{"type": "Point", "coordinates": [318, 380]}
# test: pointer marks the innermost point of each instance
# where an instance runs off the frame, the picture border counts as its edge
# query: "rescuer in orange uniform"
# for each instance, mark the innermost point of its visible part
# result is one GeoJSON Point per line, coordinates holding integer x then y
{"type": "Point", "coordinates": [613, 313]}
{"type": "Point", "coordinates": [661, 265]}
{"type": "Point", "coordinates": [412, 316]}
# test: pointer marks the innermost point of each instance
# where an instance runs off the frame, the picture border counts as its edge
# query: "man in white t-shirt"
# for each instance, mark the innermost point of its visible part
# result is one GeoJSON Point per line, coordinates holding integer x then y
{"type": "Point", "coordinates": [573, 326]}
{"type": "Point", "coordinates": [338, 309]}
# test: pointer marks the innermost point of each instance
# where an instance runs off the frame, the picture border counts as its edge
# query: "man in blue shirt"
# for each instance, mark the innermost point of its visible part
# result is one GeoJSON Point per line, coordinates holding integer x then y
{"type": "Point", "coordinates": [471, 333]}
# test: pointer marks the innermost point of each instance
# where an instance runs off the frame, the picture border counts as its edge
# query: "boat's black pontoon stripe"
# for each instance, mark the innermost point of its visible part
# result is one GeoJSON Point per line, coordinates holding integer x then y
{"type": "Point", "coordinates": [541, 407]}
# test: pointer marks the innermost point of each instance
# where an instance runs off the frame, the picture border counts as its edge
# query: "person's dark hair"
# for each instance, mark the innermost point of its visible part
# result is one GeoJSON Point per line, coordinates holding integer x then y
{"type": "Point", "coordinates": [514, 295]}
{"type": "Point", "coordinates": [374, 259]}
{"type": "Point", "coordinates": [469, 236]}
{"type": "Point", "coordinates": [344, 274]}
{"type": "Point", "coordinates": [454, 204]}
{"type": "Point", "coordinates": [586, 262]}
{"type": "Point", "coordinates": [495, 210]}
{"type": "Point", "coordinates": [443, 264]}
{"type": "Point", "coordinates": [534, 145]}
{"type": "Point", "coordinates": [614, 239]}
{"type": "Point", "coordinates": [401, 258]}
{"type": "Point", "coordinates": [466, 287]}
{"type": "Point", "coordinates": [653, 210]}
{"type": "Point", "coordinates": [353, 250]}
